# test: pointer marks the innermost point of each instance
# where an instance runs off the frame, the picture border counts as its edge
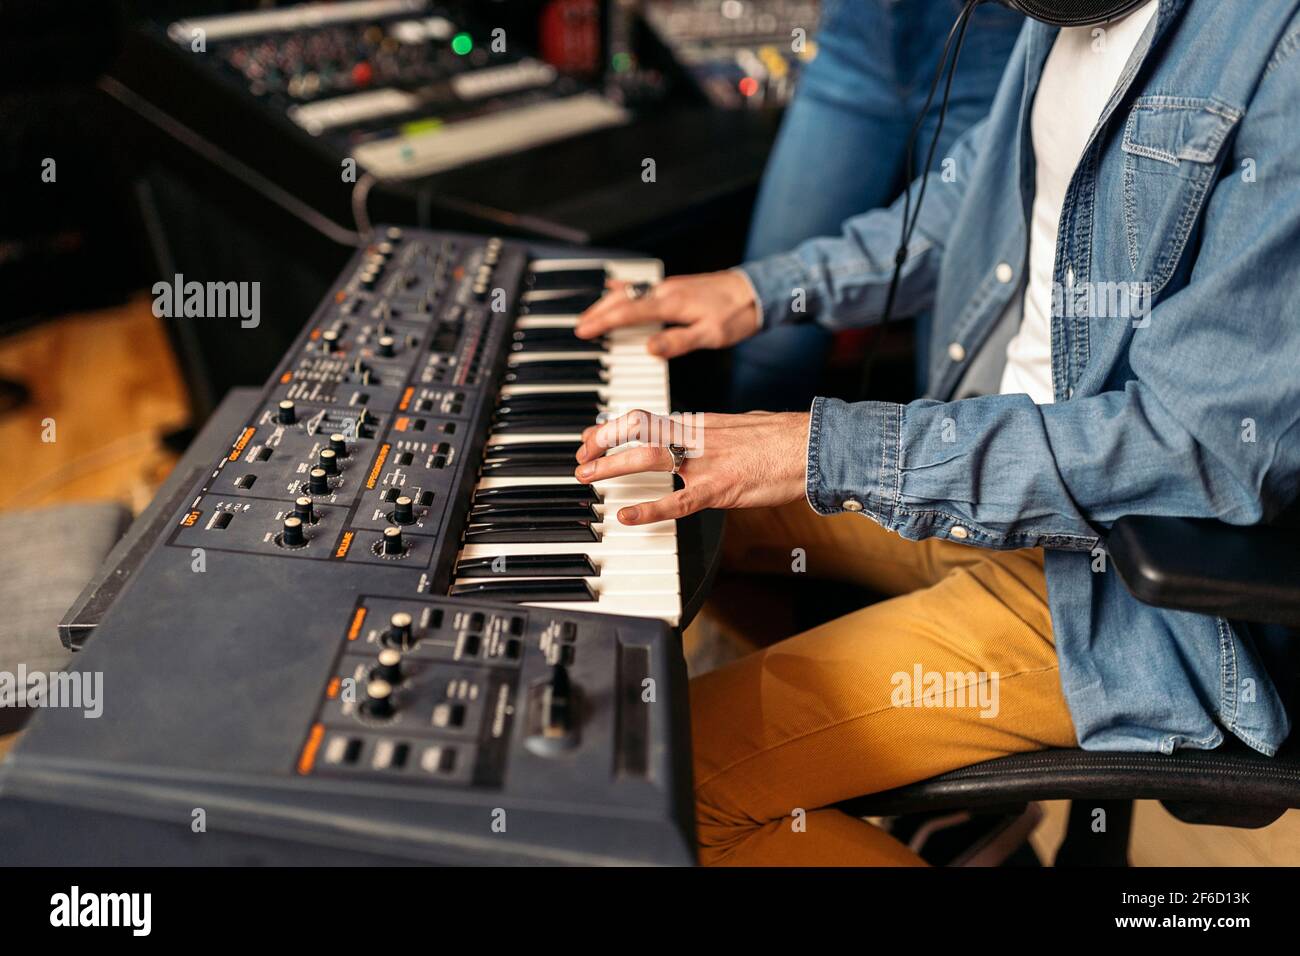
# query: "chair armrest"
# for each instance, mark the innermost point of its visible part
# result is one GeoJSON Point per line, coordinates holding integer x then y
{"type": "Point", "coordinates": [1242, 573]}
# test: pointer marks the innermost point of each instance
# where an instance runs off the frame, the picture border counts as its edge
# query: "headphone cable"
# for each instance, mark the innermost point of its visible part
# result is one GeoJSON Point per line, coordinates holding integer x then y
{"type": "Point", "coordinates": [912, 217]}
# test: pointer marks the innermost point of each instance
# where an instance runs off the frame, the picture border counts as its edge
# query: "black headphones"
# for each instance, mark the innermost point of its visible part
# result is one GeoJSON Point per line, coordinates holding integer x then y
{"type": "Point", "coordinates": [1072, 13]}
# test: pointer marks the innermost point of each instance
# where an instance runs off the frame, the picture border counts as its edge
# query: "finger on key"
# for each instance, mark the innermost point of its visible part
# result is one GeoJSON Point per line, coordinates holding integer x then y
{"type": "Point", "coordinates": [630, 461]}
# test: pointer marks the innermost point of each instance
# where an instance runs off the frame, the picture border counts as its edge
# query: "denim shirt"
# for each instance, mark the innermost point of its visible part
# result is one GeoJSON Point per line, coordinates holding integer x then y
{"type": "Point", "coordinates": [1175, 358]}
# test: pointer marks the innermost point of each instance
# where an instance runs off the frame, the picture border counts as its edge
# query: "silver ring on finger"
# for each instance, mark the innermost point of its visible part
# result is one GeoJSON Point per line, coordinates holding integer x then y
{"type": "Point", "coordinates": [679, 457]}
{"type": "Point", "coordinates": [637, 290]}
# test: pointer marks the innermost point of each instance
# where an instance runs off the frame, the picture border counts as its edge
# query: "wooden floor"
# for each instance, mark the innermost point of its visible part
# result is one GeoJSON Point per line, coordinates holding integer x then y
{"type": "Point", "coordinates": [110, 383]}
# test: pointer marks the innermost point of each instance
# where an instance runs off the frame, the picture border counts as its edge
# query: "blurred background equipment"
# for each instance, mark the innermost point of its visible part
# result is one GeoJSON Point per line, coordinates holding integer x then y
{"type": "Point", "coordinates": [739, 54]}
{"type": "Point", "coordinates": [404, 87]}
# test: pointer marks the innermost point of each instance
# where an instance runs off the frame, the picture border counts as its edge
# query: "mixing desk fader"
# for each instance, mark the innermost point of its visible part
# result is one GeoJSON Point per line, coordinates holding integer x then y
{"type": "Point", "coordinates": [361, 630]}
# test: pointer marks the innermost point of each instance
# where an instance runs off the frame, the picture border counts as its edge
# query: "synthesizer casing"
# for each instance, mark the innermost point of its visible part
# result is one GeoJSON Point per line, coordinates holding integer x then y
{"type": "Point", "coordinates": [220, 657]}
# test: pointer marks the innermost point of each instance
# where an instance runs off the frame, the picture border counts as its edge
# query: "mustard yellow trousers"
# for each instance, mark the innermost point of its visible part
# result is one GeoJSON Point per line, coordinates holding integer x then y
{"type": "Point", "coordinates": [956, 666]}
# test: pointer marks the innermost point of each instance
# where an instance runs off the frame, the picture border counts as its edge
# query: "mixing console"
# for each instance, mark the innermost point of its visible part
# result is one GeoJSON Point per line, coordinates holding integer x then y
{"type": "Point", "coordinates": [405, 87]}
{"type": "Point", "coordinates": [361, 627]}
{"type": "Point", "coordinates": [740, 53]}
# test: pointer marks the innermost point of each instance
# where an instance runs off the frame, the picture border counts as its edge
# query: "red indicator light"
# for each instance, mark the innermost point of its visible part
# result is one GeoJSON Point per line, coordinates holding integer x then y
{"type": "Point", "coordinates": [748, 86]}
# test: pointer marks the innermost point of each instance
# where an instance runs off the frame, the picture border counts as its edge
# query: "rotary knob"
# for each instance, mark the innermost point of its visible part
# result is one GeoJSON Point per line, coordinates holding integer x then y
{"type": "Point", "coordinates": [393, 542]}
{"type": "Point", "coordinates": [389, 667]}
{"type": "Point", "coordinates": [304, 510]}
{"type": "Point", "coordinates": [339, 445]}
{"type": "Point", "coordinates": [404, 510]}
{"type": "Point", "coordinates": [379, 699]}
{"type": "Point", "coordinates": [286, 413]}
{"type": "Point", "coordinates": [386, 346]}
{"type": "Point", "coordinates": [292, 536]}
{"type": "Point", "coordinates": [318, 481]}
{"type": "Point", "coordinates": [399, 633]}
{"type": "Point", "coordinates": [329, 461]}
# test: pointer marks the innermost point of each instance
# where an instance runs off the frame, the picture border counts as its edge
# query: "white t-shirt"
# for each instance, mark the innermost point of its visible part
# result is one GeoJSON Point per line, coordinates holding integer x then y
{"type": "Point", "coordinates": [1080, 74]}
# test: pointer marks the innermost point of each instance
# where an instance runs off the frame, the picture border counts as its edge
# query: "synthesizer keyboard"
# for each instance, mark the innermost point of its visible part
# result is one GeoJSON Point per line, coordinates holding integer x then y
{"type": "Point", "coordinates": [380, 617]}
{"type": "Point", "coordinates": [412, 418]}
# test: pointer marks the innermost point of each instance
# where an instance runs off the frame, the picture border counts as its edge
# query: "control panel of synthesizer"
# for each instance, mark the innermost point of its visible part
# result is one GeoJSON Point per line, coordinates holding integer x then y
{"type": "Point", "coordinates": [370, 615]}
{"type": "Point", "coordinates": [357, 452]}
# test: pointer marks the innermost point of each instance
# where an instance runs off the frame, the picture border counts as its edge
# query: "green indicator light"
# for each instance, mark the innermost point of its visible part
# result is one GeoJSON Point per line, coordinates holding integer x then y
{"type": "Point", "coordinates": [462, 43]}
{"type": "Point", "coordinates": [622, 62]}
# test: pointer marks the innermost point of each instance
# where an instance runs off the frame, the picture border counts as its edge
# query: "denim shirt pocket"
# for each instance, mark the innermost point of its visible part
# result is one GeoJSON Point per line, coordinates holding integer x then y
{"type": "Point", "coordinates": [1172, 146]}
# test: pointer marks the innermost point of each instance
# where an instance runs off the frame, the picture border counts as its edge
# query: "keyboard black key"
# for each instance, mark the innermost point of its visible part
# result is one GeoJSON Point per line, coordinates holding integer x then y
{"type": "Point", "coordinates": [561, 405]}
{"type": "Point", "coordinates": [544, 424]}
{"type": "Point", "coordinates": [528, 566]}
{"type": "Point", "coordinates": [542, 589]}
{"type": "Point", "coordinates": [537, 493]}
{"type": "Point", "coordinates": [567, 279]}
{"type": "Point", "coordinates": [532, 512]}
{"type": "Point", "coordinates": [570, 372]}
{"type": "Point", "coordinates": [530, 467]}
{"type": "Point", "coordinates": [560, 533]}
{"type": "Point", "coordinates": [571, 344]}
{"type": "Point", "coordinates": [563, 303]}
{"type": "Point", "coordinates": [547, 401]}
{"type": "Point", "coordinates": [534, 449]}
{"type": "Point", "coordinates": [549, 334]}
{"type": "Point", "coordinates": [534, 338]}
{"type": "Point", "coordinates": [555, 345]}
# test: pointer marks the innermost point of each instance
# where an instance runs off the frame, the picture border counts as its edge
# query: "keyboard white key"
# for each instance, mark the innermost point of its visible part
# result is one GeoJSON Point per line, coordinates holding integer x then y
{"type": "Point", "coordinates": [637, 564]}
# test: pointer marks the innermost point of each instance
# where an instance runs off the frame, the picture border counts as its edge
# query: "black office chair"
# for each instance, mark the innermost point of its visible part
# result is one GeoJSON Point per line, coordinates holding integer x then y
{"type": "Point", "coordinates": [1247, 574]}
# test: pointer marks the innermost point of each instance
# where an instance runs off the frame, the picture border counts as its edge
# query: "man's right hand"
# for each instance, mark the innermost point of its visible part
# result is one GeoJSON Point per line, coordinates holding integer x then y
{"type": "Point", "coordinates": [711, 311]}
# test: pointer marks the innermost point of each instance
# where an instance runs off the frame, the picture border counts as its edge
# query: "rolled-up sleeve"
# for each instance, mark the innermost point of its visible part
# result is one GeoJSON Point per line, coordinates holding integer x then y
{"type": "Point", "coordinates": [853, 462]}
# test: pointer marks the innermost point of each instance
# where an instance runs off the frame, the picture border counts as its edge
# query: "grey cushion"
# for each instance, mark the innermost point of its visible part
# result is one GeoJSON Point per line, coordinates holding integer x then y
{"type": "Point", "coordinates": [47, 556]}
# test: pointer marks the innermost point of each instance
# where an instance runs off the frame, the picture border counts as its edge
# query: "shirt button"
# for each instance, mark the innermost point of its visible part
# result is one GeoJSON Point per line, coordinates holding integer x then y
{"type": "Point", "coordinates": [956, 352]}
{"type": "Point", "coordinates": [960, 533]}
{"type": "Point", "coordinates": [852, 504]}
{"type": "Point", "coordinates": [1004, 272]}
